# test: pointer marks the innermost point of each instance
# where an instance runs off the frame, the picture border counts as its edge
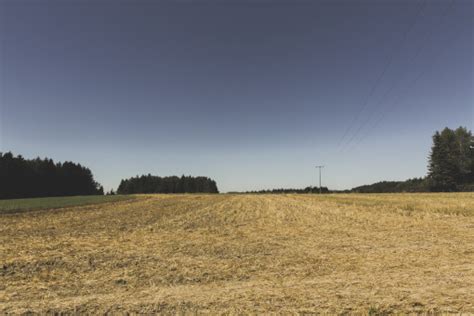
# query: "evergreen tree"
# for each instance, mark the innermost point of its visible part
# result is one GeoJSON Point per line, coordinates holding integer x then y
{"type": "Point", "coordinates": [21, 178]}
{"type": "Point", "coordinates": [451, 163]}
{"type": "Point", "coordinates": [173, 184]}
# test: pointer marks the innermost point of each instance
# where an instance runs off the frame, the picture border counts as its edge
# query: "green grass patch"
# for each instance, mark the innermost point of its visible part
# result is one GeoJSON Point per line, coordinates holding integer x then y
{"type": "Point", "coordinates": [21, 205]}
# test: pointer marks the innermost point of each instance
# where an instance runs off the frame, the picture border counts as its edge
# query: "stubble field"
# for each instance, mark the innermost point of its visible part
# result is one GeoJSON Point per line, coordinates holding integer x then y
{"type": "Point", "coordinates": [393, 253]}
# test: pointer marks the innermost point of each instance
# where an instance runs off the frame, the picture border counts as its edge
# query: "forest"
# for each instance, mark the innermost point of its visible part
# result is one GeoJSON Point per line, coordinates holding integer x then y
{"type": "Point", "coordinates": [172, 184]}
{"type": "Point", "coordinates": [25, 178]}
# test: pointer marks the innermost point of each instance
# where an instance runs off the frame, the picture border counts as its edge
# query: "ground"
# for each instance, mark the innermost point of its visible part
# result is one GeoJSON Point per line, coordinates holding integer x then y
{"type": "Point", "coordinates": [24, 205]}
{"type": "Point", "coordinates": [387, 253]}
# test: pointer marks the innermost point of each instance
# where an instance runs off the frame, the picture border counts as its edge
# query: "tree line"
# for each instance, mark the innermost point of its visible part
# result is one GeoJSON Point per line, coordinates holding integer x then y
{"type": "Point", "coordinates": [450, 167]}
{"type": "Point", "coordinates": [25, 178]}
{"type": "Point", "coordinates": [172, 184]}
{"type": "Point", "coordinates": [290, 191]}
{"type": "Point", "coordinates": [410, 185]}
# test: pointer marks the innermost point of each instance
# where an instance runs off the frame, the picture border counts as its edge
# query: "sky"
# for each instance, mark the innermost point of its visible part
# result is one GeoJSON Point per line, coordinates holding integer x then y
{"type": "Point", "coordinates": [253, 94]}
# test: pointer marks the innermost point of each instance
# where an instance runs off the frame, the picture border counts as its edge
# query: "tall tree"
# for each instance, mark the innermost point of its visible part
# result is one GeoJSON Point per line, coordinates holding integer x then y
{"type": "Point", "coordinates": [451, 160]}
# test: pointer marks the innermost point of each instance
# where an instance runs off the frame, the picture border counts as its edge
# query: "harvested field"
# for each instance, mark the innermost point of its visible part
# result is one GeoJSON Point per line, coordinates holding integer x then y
{"type": "Point", "coordinates": [243, 253]}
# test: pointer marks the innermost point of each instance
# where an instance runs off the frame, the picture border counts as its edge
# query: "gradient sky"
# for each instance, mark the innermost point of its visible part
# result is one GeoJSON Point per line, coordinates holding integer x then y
{"type": "Point", "coordinates": [252, 94]}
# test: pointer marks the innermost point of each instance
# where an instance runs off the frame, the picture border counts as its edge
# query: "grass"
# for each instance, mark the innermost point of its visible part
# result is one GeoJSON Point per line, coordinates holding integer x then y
{"type": "Point", "coordinates": [21, 205]}
{"type": "Point", "coordinates": [240, 254]}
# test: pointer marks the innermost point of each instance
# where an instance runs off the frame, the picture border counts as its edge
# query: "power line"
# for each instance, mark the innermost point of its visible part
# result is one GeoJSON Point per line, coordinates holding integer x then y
{"type": "Point", "coordinates": [385, 109]}
{"type": "Point", "coordinates": [427, 34]}
{"type": "Point", "coordinates": [412, 83]}
{"type": "Point", "coordinates": [381, 75]}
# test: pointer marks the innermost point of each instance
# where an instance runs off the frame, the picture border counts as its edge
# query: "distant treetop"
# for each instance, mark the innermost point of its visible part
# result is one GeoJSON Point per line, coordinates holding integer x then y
{"type": "Point", "coordinates": [173, 184]}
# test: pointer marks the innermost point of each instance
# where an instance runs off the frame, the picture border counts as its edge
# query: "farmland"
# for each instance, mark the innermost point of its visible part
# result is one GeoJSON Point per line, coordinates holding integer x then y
{"type": "Point", "coordinates": [393, 253]}
{"type": "Point", "coordinates": [22, 205]}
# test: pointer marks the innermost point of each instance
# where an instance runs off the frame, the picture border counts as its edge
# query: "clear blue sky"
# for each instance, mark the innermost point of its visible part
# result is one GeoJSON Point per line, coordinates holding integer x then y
{"type": "Point", "coordinates": [250, 93]}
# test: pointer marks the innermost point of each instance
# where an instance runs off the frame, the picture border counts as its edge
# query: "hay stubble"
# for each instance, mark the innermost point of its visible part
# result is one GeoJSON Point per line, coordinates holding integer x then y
{"type": "Point", "coordinates": [241, 253]}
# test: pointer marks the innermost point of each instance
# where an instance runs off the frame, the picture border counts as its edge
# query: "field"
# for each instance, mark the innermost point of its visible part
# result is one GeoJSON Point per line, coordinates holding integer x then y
{"type": "Point", "coordinates": [21, 205]}
{"type": "Point", "coordinates": [376, 254]}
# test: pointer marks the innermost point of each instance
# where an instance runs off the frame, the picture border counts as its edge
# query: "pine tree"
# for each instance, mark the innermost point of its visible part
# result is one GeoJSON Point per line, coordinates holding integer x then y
{"type": "Point", "coordinates": [451, 160]}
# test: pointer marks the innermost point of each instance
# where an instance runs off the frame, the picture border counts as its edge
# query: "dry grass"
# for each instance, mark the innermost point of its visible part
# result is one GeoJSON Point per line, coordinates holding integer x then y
{"type": "Point", "coordinates": [243, 253]}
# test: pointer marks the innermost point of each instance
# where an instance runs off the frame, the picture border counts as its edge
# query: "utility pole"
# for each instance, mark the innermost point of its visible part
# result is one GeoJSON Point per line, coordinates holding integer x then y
{"type": "Point", "coordinates": [320, 167]}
